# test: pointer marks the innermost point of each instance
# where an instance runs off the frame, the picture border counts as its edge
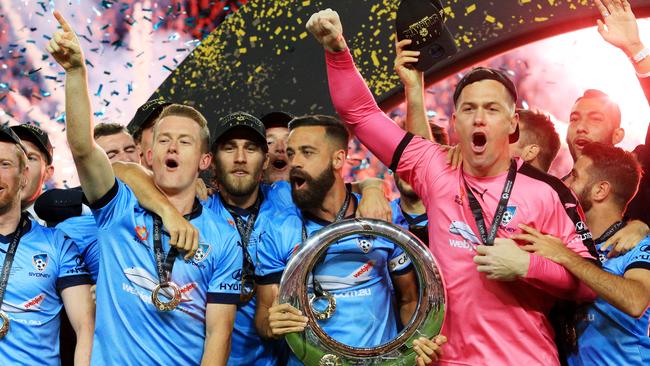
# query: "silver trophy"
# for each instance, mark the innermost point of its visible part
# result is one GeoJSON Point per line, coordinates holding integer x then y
{"type": "Point", "coordinates": [313, 346]}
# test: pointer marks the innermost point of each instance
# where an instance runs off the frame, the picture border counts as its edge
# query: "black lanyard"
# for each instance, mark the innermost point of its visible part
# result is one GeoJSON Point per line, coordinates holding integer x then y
{"type": "Point", "coordinates": [318, 289]}
{"type": "Point", "coordinates": [488, 238]}
{"type": "Point", "coordinates": [618, 225]}
{"type": "Point", "coordinates": [245, 228]}
{"type": "Point", "coordinates": [164, 265]}
{"type": "Point", "coordinates": [9, 257]}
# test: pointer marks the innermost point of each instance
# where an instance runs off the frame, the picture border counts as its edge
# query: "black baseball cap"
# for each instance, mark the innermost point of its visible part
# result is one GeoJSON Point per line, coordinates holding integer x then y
{"type": "Point", "coordinates": [146, 114]}
{"type": "Point", "coordinates": [276, 119]}
{"type": "Point", "coordinates": [241, 120]}
{"type": "Point", "coordinates": [8, 135]}
{"type": "Point", "coordinates": [36, 136]}
{"type": "Point", "coordinates": [423, 22]}
{"type": "Point", "coordinates": [486, 73]}
{"type": "Point", "coordinates": [56, 205]}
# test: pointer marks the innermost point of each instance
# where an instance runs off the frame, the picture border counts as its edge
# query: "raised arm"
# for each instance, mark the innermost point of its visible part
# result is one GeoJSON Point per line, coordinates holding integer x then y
{"type": "Point", "coordinates": [183, 235]}
{"type": "Point", "coordinates": [413, 81]}
{"type": "Point", "coordinates": [93, 166]}
{"type": "Point", "coordinates": [350, 95]}
{"type": "Point", "coordinates": [619, 28]}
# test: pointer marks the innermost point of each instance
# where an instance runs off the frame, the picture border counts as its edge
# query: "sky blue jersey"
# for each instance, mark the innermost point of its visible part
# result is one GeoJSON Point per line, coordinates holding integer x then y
{"type": "Point", "coordinates": [130, 330]}
{"type": "Point", "coordinates": [46, 263]}
{"type": "Point", "coordinates": [403, 220]}
{"type": "Point", "coordinates": [608, 336]}
{"type": "Point", "coordinates": [248, 348]}
{"type": "Point", "coordinates": [356, 270]}
{"type": "Point", "coordinates": [83, 231]}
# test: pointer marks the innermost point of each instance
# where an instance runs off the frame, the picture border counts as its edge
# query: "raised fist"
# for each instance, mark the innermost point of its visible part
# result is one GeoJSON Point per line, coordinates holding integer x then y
{"type": "Point", "coordinates": [327, 29]}
{"type": "Point", "coordinates": [64, 46]}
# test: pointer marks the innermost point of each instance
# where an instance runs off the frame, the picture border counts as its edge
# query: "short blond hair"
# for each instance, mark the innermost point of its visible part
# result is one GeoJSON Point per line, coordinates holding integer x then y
{"type": "Point", "coordinates": [186, 111]}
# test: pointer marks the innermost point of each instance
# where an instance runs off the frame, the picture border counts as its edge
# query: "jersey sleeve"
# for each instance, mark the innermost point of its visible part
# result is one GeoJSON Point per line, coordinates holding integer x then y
{"type": "Point", "coordinates": [83, 231]}
{"type": "Point", "coordinates": [72, 271]}
{"type": "Point", "coordinates": [563, 218]}
{"type": "Point", "coordinates": [399, 262]}
{"type": "Point", "coordinates": [224, 286]}
{"type": "Point", "coordinates": [117, 202]}
{"type": "Point", "coordinates": [280, 194]}
{"type": "Point", "coordinates": [639, 257]}
{"type": "Point", "coordinates": [402, 152]}
{"type": "Point", "coordinates": [279, 241]}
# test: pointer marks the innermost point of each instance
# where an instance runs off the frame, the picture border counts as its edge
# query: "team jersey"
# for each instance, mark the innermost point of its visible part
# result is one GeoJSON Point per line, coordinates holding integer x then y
{"type": "Point", "coordinates": [355, 270]}
{"type": "Point", "coordinates": [405, 220]}
{"type": "Point", "coordinates": [46, 263]}
{"type": "Point", "coordinates": [248, 348]}
{"type": "Point", "coordinates": [608, 336]}
{"type": "Point", "coordinates": [487, 322]}
{"type": "Point", "coordinates": [130, 330]}
{"type": "Point", "coordinates": [83, 231]}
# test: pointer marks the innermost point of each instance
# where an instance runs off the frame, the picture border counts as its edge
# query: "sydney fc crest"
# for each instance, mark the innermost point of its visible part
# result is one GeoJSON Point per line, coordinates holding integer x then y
{"type": "Point", "coordinates": [364, 244]}
{"type": "Point", "coordinates": [508, 215]}
{"type": "Point", "coordinates": [40, 262]}
{"type": "Point", "coordinates": [202, 252]}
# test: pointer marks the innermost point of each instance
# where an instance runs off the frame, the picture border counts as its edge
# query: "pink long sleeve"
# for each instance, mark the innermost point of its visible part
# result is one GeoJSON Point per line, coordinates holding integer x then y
{"type": "Point", "coordinates": [357, 107]}
{"type": "Point", "coordinates": [556, 280]}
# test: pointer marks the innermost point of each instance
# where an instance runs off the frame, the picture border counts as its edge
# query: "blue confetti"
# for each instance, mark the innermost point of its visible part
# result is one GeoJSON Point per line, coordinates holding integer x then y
{"type": "Point", "coordinates": [60, 118]}
{"type": "Point", "coordinates": [99, 90]}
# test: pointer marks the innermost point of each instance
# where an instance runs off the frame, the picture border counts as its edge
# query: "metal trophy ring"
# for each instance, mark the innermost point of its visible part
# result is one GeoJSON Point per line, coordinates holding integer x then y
{"type": "Point", "coordinates": [314, 347]}
{"type": "Point", "coordinates": [166, 305]}
{"type": "Point", "coordinates": [329, 310]}
{"type": "Point", "coordinates": [5, 324]}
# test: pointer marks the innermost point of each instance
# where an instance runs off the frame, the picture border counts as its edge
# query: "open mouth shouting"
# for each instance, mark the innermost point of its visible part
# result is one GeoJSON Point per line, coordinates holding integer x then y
{"type": "Point", "coordinates": [171, 164]}
{"type": "Point", "coordinates": [479, 142]}
{"type": "Point", "coordinates": [279, 164]}
{"type": "Point", "coordinates": [580, 142]}
{"type": "Point", "coordinates": [298, 180]}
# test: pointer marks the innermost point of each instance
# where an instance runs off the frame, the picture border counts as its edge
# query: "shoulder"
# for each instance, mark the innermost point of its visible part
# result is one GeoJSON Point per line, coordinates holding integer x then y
{"type": "Point", "coordinates": [543, 182]}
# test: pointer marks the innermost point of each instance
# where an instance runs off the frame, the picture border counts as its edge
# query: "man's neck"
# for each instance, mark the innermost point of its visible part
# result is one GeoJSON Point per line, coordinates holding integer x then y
{"type": "Point", "coordinates": [500, 166]}
{"type": "Point", "coordinates": [601, 216]}
{"type": "Point", "coordinates": [9, 218]}
{"type": "Point", "coordinates": [411, 207]}
{"type": "Point", "coordinates": [183, 201]}
{"type": "Point", "coordinates": [333, 202]}
{"type": "Point", "coordinates": [240, 201]}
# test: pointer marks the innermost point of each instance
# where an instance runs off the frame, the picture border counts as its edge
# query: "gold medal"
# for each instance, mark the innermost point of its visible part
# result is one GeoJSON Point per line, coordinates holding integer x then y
{"type": "Point", "coordinates": [5, 324]}
{"type": "Point", "coordinates": [166, 305]}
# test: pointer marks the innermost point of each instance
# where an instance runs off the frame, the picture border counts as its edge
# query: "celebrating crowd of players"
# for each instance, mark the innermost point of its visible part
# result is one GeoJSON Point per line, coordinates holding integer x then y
{"type": "Point", "coordinates": [186, 275]}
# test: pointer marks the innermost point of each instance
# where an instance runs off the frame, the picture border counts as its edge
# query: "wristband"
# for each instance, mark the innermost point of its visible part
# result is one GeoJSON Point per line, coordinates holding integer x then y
{"type": "Point", "coordinates": [640, 55]}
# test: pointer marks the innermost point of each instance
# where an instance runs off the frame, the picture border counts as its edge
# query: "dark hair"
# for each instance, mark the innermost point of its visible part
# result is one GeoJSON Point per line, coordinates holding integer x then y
{"type": "Point", "coordinates": [439, 134]}
{"type": "Point", "coordinates": [108, 129]}
{"type": "Point", "coordinates": [186, 111]}
{"type": "Point", "coordinates": [335, 130]}
{"type": "Point", "coordinates": [616, 166]}
{"type": "Point", "coordinates": [537, 128]}
{"type": "Point", "coordinates": [485, 73]}
{"type": "Point", "coordinates": [611, 107]}
{"type": "Point", "coordinates": [149, 122]}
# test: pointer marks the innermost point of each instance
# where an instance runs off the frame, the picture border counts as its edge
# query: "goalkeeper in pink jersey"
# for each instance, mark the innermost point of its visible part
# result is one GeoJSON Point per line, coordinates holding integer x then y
{"type": "Point", "coordinates": [498, 294]}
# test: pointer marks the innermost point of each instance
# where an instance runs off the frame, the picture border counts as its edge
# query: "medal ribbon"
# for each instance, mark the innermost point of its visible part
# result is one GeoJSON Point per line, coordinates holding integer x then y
{"type": "Point", "coordinates": [488, 238]}
{"type": "Point", "coordinates": [9, 257]}
{"type": "Point", "coordinates": [164, 265]}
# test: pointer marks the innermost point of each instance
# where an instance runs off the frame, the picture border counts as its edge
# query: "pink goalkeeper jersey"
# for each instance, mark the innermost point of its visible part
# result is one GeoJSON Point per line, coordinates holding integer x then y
{"type": "Point", "coordinates": [487, 322]}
